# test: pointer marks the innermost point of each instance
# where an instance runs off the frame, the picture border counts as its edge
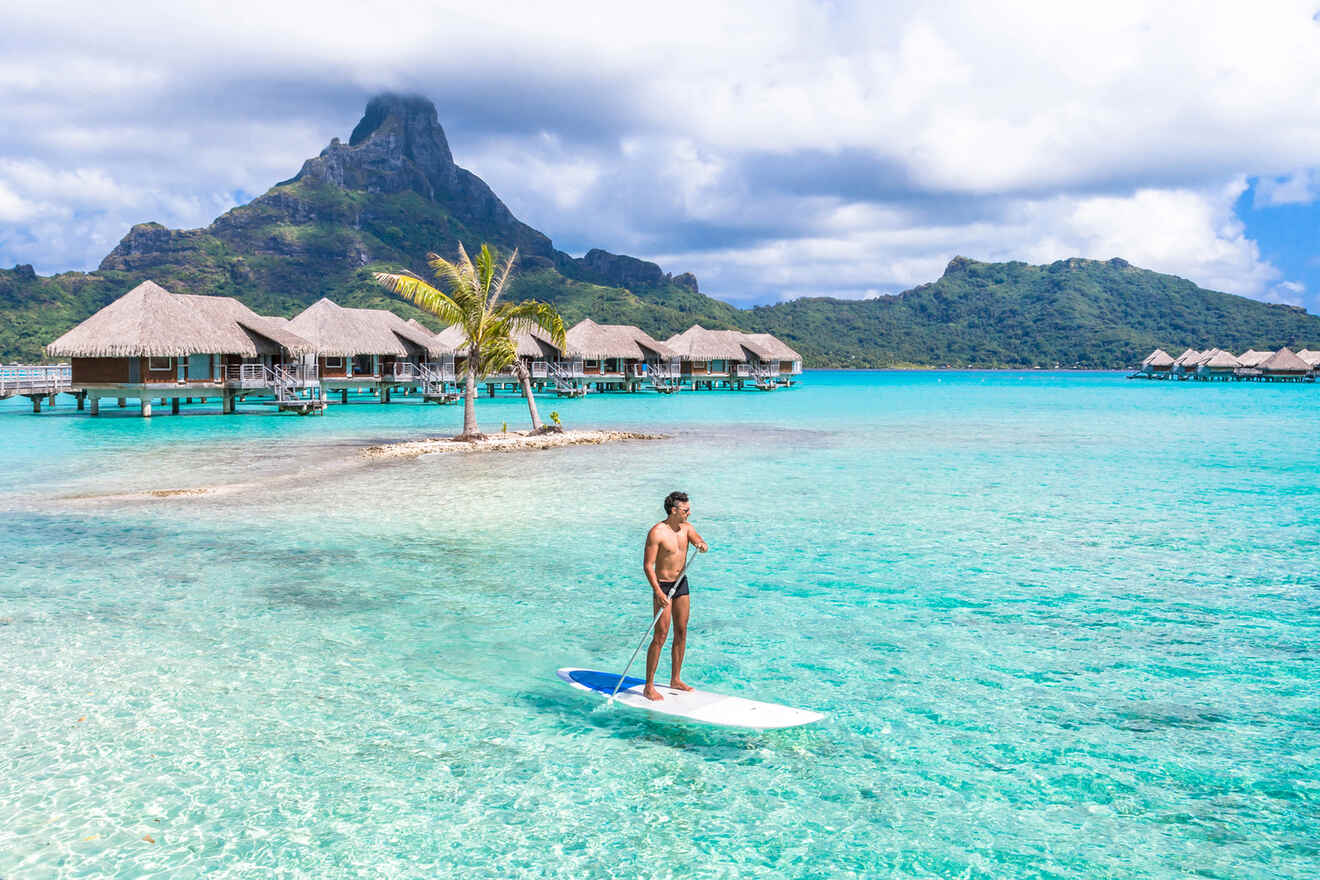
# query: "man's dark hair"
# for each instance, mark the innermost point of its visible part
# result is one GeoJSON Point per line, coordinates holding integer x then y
{"type": "Point", "coordinates": [673, 498]}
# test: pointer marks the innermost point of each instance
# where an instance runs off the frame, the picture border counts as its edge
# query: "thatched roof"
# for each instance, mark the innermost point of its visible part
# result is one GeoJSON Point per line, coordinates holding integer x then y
{"type": "Point", "coordinates": [149, 321]}
{"type": "Point", "coordinates": [535, 344]}
{"type": "Point", "coordinates": [412, 334]}
{"type": "Point", "coordinates": [698, 343]}
{"type": "Point", "coordinates": [588, 339]}
{"type": "Point", "coordinates": [1311, 357]}
{"type": "Point", "coordinates": [1284, 361]}
{"type": "Point", "coordinates": [1220, 360]}
{"type": "Point", "coordinates": [335, 331]}
{"type": "Point", "coordinates": [1188, 358]}
{"type": "Point", "coordinates": [1253, 358]}
{"type": "Point", "coordinates": [1159, 358]}
{"type": "Point", "coordinates": [778, 349]}
{"type": "Point", "coordinates": [452, 337]}
{"type": "Point", "coordinates": [269, 335]}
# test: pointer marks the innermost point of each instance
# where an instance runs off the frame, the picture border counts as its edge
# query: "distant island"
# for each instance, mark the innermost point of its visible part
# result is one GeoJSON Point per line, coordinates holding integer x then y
{"type": "Point", "coordinates": [394, 192]}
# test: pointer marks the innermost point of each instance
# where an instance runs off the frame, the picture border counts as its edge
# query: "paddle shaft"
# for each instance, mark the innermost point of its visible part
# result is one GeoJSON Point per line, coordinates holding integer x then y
{"type": "Point", "coordinates": [654, 620]}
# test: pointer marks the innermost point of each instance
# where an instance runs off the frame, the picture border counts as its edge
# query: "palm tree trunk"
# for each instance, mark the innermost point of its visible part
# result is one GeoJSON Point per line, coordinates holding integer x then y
{"type": "Point", "coordinates": [470, 430]}
{"type": "Point", "coordinates": [524, 379]}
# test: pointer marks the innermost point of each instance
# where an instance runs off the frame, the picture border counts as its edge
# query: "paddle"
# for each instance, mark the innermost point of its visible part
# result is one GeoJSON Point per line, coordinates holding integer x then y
{"type": "Point", "coordinates": [650, 629]}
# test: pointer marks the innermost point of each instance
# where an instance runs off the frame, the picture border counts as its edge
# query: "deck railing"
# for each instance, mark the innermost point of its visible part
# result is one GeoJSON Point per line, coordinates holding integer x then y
{"type": "Point", "coordinates": [247, 376]}
{"type": "Point", "coordinates": [564, 376]}
{"type": "Point", "coordinates": [666, 374]}
{"type": "Point", "coordinates": [439, 371]}
{"type": "Point", "coordinates": [35, 379]}
{"type": "Point", "coordinates": [299, 375]}
{"type": "Point", "coordinates": [571, 368]}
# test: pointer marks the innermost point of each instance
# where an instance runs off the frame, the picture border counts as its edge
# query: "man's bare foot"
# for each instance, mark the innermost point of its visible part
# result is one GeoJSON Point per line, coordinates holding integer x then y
{"type": "Point", "coordinates": [651, 693]}
{"type": "Point", "coordinates": [679, 686]}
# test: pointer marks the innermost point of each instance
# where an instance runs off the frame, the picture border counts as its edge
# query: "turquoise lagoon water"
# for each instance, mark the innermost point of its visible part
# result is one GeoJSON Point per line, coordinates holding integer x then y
{"type": "Point", "coordinates": [1064, 626]}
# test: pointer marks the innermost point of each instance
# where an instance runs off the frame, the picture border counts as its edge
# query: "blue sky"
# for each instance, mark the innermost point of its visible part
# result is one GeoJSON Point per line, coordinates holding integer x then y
{"type": "Point", "coordinates": [1287, 228]}
{"type": "Point", "coordinates": [776, 149]}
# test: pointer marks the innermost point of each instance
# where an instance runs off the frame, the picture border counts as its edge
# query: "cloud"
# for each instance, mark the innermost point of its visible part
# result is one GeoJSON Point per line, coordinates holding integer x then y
{"type": "Point", "coordinates": [1287, 292]}
{"type": "Point", "coordinates": [775, 148]}
{"type": "Point", "coordinates": [1302, 187]}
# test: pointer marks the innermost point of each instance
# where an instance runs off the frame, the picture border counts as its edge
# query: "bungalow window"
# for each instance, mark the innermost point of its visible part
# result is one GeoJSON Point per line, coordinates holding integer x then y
{"type": "Point", "coordinates": [591, 366]}
{"type": "Point", "coordinates": [160, 365]}
{"type": "Point", "coordinates": [334, 363]}
{"type": "Point", "coordinates": [717, 366]}
{"type": "Point", "coordinates": [199, 367]}
{"type": "Point", "coordinates": [364, 363]}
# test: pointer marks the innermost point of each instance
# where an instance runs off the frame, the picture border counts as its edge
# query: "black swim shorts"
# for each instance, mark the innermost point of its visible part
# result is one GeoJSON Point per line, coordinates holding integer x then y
{"type": "Point", "coordinates": [666, 586]}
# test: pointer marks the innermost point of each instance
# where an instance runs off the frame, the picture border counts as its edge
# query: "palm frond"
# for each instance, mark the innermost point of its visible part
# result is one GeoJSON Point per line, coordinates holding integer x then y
{"type": "Point", "coordinates": [422, 295]}
{"type": "Point", "coordinates": [444, 270]}
{"type": "Point", "coordinates": [524, 317]}
{"type": "Point", "coordinates": [497, 353]}
{"type": "Point", "coordinates": [498, 290]}
{"type": "Point", "coordinates": [465, 263]}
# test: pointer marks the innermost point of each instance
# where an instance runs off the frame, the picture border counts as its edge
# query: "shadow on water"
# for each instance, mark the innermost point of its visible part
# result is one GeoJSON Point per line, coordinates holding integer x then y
{"type": "Point", "coordinates": [587, 713]}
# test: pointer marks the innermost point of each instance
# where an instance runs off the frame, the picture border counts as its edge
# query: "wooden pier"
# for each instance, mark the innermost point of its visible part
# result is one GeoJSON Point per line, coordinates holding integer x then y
{"type": "Point", "coordinates": [38, 383]}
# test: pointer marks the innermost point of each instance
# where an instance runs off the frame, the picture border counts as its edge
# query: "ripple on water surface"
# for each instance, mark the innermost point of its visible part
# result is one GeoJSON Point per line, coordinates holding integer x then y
{"type": "Point", "coordinates": [1063, 626]}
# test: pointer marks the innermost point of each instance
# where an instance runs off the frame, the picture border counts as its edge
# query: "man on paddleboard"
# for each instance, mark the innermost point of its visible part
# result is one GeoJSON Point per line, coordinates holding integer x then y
{"type": "Point", "coordinates": [663, 559]}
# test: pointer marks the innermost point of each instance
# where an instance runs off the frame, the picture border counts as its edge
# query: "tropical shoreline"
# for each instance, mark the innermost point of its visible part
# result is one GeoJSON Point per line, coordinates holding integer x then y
{"type": "Point", "coordinates": [508, 441]}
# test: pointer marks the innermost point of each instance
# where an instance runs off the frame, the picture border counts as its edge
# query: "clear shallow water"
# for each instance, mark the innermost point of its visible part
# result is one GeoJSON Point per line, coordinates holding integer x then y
{"type": "Point", "coordinates": [1065, 625]}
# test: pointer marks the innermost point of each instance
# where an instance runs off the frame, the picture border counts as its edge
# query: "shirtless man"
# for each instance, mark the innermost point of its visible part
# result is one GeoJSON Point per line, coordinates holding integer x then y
{"type": "Point", "coordinates": [663, 560]}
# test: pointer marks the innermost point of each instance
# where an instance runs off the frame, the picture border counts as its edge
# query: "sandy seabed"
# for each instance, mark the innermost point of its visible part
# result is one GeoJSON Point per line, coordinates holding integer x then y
{"type": "Point", "coordinates": [512, 441]}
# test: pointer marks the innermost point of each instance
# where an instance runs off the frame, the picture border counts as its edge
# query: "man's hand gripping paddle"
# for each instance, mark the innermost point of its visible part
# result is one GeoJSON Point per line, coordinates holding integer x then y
{"type": "Point", "coordinates": [654, 620]}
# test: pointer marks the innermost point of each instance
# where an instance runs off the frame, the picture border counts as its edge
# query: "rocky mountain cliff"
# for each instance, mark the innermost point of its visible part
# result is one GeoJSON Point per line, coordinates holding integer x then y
{"type": "Point", "coordinates": [394, 192]}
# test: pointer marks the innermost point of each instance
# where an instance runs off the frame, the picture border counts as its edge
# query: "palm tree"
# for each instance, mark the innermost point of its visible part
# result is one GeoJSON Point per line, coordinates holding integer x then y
{"type": "Point", "coordinates": [489, 326]}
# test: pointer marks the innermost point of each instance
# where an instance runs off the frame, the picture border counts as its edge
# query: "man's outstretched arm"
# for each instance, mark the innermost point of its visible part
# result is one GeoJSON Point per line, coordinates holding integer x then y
{"type": "Point", "coordinates": [696, 539]}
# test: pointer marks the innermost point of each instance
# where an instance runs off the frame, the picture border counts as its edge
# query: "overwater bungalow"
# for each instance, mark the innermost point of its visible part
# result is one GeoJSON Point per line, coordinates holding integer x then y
{"type": "Point", "coordinates": [707, 357]}
{"type": "Point", "coordinates": [620, 357]}
{"type": "Point", "coordinates": [1217, 364]}
{"type": "Point", "coordinates": [1252, 359]}
{"type": "Point", "coordinates": [373, 350]}
{"type": "Point", "coordinates": [543, 360]}
{"type": "Point", "coordinates": [1184, 365]}
{"type": "Point", "coordinates": [1285, 366]}
{"type": "Point", "coordinates": [1311, 357]}
{"type": "Point", "coordinates": [1156, 365]}
{"type": "Point", "coordinates": [777, 355]}
{"type": "Point", "coordinates": [153, 344]}
{"type": "Point", "coordinates": [710, 358]}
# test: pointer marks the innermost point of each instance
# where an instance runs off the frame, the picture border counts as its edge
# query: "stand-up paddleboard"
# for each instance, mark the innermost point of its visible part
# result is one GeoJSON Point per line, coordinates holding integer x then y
{"type": "Point", "coordinates": [701, 706]}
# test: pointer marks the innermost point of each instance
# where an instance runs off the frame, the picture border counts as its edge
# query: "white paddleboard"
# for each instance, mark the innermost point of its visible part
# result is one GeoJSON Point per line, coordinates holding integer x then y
{"type": "Point", "coordinates": [700, 706]}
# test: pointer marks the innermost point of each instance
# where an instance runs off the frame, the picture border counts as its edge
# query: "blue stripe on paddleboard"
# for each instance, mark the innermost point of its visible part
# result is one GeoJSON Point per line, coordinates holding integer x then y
{"type": "Point", "coordinates": [602, 681]}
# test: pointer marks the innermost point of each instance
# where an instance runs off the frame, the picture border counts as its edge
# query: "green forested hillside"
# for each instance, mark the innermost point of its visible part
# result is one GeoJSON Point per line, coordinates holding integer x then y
{"type": "Point", "coordinates": [1073, 313]}
{"type": "Point", "coordinates": [393, 193]}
